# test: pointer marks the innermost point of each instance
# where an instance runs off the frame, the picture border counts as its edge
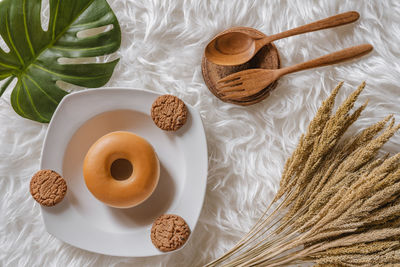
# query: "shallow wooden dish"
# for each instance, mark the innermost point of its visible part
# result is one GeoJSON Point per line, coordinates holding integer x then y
{"type": "Point", "coordinates": [266, 58]}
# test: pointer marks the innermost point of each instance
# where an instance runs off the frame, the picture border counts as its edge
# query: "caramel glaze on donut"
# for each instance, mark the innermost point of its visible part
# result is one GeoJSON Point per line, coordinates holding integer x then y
{"type": "Point", "coordinates": [121, 193]}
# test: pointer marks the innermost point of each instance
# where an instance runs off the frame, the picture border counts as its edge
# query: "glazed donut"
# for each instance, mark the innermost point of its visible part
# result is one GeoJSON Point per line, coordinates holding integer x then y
{"type": "Point", "coordinates": [98, 172]}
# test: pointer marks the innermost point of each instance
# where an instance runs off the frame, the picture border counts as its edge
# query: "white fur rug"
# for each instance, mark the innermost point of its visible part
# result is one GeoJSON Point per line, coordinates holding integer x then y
{"type": "Point", "coordinates": [161, 50]}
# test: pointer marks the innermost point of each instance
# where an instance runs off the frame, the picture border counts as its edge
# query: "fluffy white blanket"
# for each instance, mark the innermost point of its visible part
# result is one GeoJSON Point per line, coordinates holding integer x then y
{"type": "Point", "coordinates": [161, 50]}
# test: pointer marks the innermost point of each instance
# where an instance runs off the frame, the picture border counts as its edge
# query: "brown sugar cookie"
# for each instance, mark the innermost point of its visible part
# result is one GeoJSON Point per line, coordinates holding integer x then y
{"type": "Point", "coordinates": [169, 232]}
{"type": "Point", "coordinates": [47, 187]}
{"type": "Point", "coordinates": [169, 112]}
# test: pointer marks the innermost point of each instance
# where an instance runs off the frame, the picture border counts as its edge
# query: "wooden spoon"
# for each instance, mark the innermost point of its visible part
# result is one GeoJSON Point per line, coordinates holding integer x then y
{"type": "Point", "coordinates": [235, 48]}
{"type": "Point", "coordinates": [249, 82]}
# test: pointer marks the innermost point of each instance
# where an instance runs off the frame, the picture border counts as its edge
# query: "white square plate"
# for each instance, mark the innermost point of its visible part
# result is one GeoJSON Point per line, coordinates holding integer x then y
{"type": "Point", "coordinates": [83, 221]}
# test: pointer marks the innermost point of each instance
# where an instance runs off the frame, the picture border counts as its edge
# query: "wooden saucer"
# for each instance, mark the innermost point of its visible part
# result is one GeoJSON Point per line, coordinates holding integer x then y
{"type": "Point", "coordinates": [266, 58]}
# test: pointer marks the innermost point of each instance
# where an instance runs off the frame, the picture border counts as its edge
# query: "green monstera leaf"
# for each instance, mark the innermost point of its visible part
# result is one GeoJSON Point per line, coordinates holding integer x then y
{"type": "Point", "coordinates": [34, 53]}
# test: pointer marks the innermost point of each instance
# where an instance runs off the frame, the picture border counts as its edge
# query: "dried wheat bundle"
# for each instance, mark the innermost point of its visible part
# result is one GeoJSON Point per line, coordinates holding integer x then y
{"type": "Point", "coordinates": [338, 202]}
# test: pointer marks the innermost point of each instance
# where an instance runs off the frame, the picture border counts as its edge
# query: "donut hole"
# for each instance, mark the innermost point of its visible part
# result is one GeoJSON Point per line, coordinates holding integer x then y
{"type": "Point", "coordinates": [121, 169]}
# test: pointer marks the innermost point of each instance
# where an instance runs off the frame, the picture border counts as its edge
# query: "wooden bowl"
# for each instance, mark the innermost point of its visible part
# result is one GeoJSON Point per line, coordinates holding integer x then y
{"type": "Point", "coordinates": [266, 58]}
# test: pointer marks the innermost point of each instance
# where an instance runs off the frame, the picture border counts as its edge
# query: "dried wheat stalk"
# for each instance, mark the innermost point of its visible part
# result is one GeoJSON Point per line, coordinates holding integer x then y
{"type": "Point", "coordinates": [338, 202]}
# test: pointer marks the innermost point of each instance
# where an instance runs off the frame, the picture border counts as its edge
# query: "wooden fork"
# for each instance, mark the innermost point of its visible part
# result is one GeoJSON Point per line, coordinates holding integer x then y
{"type": "Point", "coordinates": [249, 82]}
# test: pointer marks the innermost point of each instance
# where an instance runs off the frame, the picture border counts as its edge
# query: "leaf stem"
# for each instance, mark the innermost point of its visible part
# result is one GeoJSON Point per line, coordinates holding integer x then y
{"type": "Point", "coordinates": [6, 84]}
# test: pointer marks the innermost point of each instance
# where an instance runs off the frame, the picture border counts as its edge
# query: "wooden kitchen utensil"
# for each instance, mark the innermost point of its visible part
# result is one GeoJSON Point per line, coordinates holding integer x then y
{"type": "Point", "coordinates": [246, 83]}
{"type": "Point", "coordinates": [235, 48]}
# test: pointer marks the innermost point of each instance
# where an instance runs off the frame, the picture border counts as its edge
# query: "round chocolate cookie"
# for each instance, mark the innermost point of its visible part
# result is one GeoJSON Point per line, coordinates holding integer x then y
{"type": "Point", "coordinates": [48, 187]}
{"type": "Point", "coordinates": [169, 112]}
{"type": "Point", "coordinates": [169, 232]}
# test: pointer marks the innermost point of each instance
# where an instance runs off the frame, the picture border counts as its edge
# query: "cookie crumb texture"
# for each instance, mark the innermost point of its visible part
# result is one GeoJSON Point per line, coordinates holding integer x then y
{"type": "Point", "coordinates": [169, 112]}
{"type": "Point", "coordinates": [48, 187]}
{"type": "Point", "coordinates": [169, 232]}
